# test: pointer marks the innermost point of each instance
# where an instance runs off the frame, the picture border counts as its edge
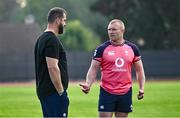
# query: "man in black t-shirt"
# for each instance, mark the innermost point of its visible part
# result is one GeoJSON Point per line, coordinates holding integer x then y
{"type": "Point", "coordinates": [51, 67]}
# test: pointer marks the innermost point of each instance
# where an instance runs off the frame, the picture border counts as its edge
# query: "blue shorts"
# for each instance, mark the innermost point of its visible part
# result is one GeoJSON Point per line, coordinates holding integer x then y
{"type": "Point", "coordinates": [115, 103]}
{"type": "Point", "coordinates": [55, 105]}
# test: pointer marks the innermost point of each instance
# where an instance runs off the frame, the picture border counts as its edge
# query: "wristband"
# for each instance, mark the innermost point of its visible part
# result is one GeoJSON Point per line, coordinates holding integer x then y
{"type": "Point", "coordinates": [141, 92]}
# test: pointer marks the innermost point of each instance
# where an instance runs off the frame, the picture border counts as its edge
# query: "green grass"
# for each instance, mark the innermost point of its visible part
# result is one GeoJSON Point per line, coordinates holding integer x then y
{"type": "Point", "coordinates": [162, 99]}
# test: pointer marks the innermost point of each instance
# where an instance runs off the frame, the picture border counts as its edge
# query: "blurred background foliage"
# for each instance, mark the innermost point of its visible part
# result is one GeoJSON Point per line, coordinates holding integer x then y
{"type": "Point", "coordinates": [151, 24]}
{"type": "Point", "coordinates": [154, 24]}
{"type": "Point", "coordinates": [77, 37]}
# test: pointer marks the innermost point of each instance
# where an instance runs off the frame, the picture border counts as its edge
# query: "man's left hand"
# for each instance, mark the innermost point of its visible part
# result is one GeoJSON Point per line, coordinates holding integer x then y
{"type": "Point", "coordinates": [140, 95]}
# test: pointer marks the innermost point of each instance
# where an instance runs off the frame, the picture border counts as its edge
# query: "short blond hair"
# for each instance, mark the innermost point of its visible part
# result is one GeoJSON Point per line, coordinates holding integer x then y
{"type": "Point", "coordinates": [119, 21]}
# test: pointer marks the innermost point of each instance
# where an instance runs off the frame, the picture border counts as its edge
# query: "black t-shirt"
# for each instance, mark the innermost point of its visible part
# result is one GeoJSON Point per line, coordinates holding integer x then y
{"type": "Point", "coordinates": [48, 45]}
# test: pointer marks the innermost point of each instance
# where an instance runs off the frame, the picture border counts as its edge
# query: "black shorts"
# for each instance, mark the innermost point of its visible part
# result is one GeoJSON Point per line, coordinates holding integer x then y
{"type": "Point", "coordinates": [55, 105]}
{"type": "Point", "coordinates": [115, 103]}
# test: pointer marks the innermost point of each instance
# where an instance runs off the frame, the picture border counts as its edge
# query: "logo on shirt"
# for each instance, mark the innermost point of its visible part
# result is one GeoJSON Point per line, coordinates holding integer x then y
{"type": "Point", "coordinates": [119, 62]}
{"type": "Point", "coordinates": [95, 52]}
{"type": "Point", "coordinates": [126, 52]}
{"type": "Point", "coordinates": [111, 53]}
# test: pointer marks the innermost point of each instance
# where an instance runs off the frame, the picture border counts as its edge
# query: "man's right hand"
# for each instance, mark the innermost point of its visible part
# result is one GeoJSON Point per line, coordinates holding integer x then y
{"type": "Point", "coordinates": [85, 87]}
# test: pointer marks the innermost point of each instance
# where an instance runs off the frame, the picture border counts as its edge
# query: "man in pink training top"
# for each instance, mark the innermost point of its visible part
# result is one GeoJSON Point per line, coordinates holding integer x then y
{"type": "Point", "coordinates": [115, 59]}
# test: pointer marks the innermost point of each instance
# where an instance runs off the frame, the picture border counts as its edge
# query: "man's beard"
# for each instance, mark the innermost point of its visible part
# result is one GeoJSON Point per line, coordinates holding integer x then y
{"type": "Point", "coordinates": [61, 29]}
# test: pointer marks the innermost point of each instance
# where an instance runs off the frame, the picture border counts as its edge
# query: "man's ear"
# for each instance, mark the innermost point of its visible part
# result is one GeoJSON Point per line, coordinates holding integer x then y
{"type": "Point", "coordinates": [123, 30]}
{"type": "Point", "coordinates": [57, 20]}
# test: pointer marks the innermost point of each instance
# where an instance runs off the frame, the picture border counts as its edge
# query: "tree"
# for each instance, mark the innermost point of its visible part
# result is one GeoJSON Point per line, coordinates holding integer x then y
{"type": "Point", "coordinates": [7, 7]}
{"type": "Point", "coordinates": [76, 9]}
{"type": "Point", "coordinates": [155, 22]}
{"type": "Point", "coordinates": [79, 38]}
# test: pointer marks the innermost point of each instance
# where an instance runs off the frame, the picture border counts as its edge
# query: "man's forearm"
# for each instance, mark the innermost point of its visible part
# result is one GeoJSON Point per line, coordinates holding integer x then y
{"type": "Point", "coordinates": [91, 76]}
{"type": "Point", "coordinates": [55, 76]}
{"type": "Point", "coordinates": [140, 75]}
{"type": "Point", "coordinates": [141, 80]}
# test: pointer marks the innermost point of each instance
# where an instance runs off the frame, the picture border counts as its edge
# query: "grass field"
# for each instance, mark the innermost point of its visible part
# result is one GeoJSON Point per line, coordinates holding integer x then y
{"type": "Point", "coordinates": [162, 99]}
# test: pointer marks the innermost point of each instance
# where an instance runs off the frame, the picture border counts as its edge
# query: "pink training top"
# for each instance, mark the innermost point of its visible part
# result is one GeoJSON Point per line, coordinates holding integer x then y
{"type": "Point", "coordinates": [116, 63]}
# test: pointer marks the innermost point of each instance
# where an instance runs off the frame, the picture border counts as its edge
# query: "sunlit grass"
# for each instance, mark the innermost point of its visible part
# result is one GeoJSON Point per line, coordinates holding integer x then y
{"type": "Point", "coordinates": [162, 99]}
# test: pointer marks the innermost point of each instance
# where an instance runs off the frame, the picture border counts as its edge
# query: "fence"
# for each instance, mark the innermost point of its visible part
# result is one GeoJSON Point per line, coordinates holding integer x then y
{"type": "Point", "coordinates": [20, 66]}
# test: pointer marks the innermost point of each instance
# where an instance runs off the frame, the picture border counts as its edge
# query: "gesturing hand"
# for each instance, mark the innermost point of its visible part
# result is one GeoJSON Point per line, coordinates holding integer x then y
{"type": "Point", "coordinates": [85, 87]}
